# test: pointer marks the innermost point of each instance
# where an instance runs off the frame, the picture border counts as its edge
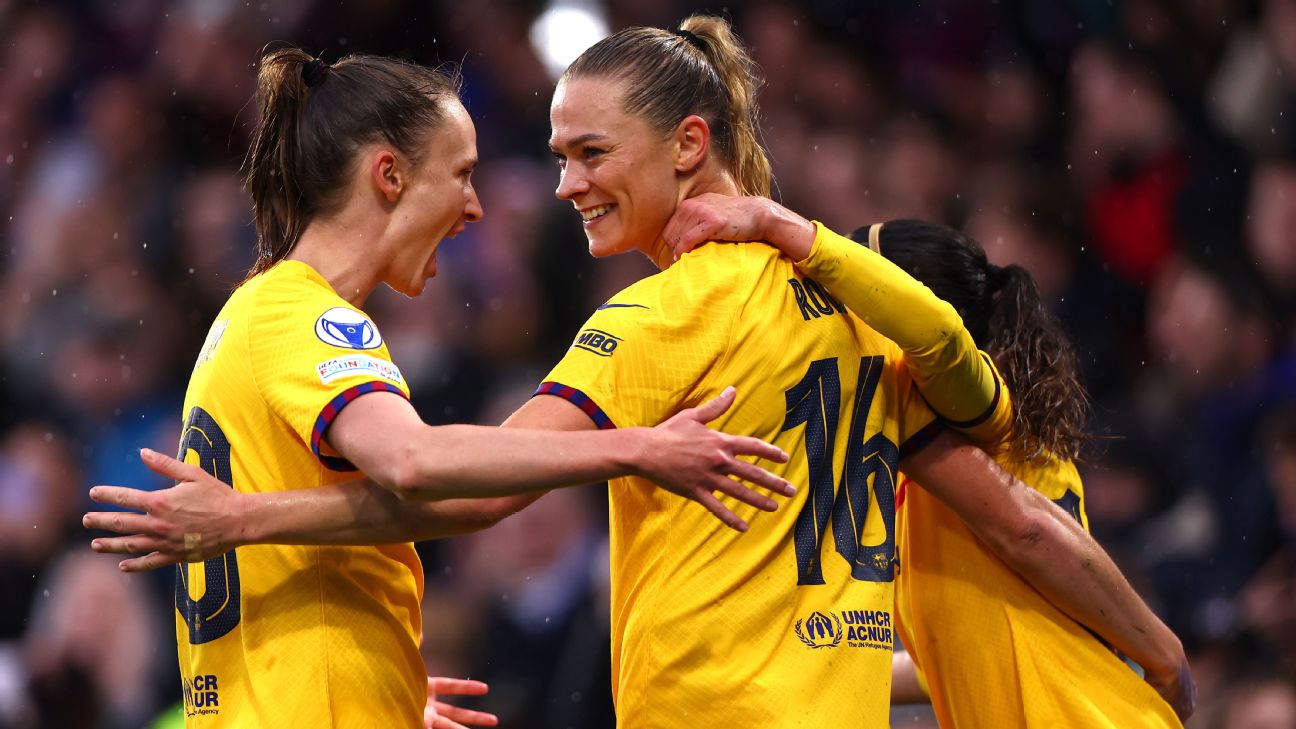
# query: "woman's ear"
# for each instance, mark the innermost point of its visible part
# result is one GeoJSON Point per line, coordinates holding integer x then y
{"type": "Point", "coordinates": [387, 174]}
{"type": "Point", "coordinates": [692, 140]}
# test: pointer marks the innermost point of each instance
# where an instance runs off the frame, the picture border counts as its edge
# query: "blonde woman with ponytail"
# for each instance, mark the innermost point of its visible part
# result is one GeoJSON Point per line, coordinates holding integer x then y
{"type": "Point", "coordinates": [791, 625]}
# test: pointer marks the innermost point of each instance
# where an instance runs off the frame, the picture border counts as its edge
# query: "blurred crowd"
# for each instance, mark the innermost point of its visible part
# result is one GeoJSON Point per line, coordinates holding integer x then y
{"type": "Point", "coordinates": [1137, 156]}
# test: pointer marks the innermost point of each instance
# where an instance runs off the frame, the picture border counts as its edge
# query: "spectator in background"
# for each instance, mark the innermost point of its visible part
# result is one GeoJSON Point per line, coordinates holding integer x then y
{"type": "Point", "coordinates": [1215, 339]}
{"type": "Point", "coordinates": [1261, 704]}
{"type": "Point", "coordinates": [40, 495]}
{"type": "Point", "coordinates": [1269, 600]}
{"type": "Point", "coordinates": [93, 647]}
{"type": "Point", "coordinates": [1271, 238]}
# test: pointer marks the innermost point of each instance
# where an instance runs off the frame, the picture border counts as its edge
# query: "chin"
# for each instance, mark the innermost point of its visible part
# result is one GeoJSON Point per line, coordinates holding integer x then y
{"type": "Point", "coordinates": [603, 247]}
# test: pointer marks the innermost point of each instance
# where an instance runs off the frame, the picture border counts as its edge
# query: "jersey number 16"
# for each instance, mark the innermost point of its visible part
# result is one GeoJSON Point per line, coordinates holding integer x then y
{"type": "Point", "coordinates": [815, 402]}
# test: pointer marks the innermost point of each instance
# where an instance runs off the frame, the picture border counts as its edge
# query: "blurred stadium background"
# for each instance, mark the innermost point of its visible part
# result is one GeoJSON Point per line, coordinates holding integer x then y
{"type": "Point", "coordinates": [1138, 156]}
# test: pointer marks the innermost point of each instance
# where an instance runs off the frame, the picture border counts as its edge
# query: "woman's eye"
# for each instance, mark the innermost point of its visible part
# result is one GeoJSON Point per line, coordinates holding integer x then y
{"type": "Point", "coordinates": [591, 152]}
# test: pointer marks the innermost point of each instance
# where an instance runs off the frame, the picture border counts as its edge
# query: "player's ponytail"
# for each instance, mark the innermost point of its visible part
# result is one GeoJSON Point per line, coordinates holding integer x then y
{"type": "Point", "coordinates": [1002, 309]}
{"type": "Point", "coordinates": [701, 68]}
{"type": "Point", "coordinates": [314, 118]}
{"type": "Point", "coordinates": [1038, 363]}
{"type": "Point", "coordinates": [741, 80]}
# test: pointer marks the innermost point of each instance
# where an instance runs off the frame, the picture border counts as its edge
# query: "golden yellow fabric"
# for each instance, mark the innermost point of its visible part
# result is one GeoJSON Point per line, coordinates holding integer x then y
{"type": "Point", "coordinates": [293, 636]}
{"type": "Point", "coordinates": [788, 625]}
{"type": "Point", "coordinates": [944, 359]}
{"type": "Point", "coordinates": [991, 650]}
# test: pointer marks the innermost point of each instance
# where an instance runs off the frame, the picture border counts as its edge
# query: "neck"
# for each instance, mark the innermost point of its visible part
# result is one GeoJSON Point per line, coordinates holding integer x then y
{"type": "Point", "coordinates": [721, 183]}
{"type": "Point", "coordinates": [341, 250]}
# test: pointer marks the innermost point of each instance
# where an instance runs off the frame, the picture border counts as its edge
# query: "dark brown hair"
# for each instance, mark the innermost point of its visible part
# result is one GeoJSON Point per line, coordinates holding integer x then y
{"type": "Point", "coordinates": [314, 117]}
{"type": "Point", "coordinates": [700, 69]}
{"type": "Point", "coordinates": [1002, 309]}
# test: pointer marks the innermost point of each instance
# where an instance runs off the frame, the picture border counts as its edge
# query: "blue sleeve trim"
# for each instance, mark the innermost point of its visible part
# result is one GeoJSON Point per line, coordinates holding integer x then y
{"type": "Point", "coordinates": [580, 400]}
{"type": "Point", "coordinates": [330, 412]}
{"type": "Point", "coordinates": [994, 403]}
{"type": "Point", "coordinates": [922, 438]}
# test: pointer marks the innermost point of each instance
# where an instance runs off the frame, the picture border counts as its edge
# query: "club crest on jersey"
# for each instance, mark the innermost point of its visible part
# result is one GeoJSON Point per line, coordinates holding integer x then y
{"type": "Point", "coordinates": [820, 630]}
{"type": "Point", "coordinates": [347, 328]}
{"type": "Point", "coordinates": [597, 341]}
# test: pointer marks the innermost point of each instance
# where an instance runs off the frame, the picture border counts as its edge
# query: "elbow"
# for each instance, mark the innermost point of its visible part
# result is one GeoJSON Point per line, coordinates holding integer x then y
{"type": "Point", "coordinates": [1025, 541]}
{"type": "Point", "coordinates": [404, 474]}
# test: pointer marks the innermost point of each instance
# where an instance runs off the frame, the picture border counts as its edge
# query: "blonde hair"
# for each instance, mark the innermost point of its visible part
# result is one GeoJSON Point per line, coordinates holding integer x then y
{"type": "Point", "coordinates": [702, 68]}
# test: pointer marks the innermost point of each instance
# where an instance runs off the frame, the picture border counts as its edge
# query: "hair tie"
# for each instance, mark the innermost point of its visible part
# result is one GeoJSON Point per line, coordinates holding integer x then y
{"type": "Point", "coordinates": [314, 71]}
{"type": "Point", "coordinates": [690, 37]}
{"type": "Point", "coordinates": [875, 238]}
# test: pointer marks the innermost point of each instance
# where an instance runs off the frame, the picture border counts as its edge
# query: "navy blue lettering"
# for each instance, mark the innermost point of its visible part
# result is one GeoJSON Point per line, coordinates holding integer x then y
{"type": "Point", "coordinates": [871, 464]}
{"type": "Point", "coordinates": [219, 610]}
{"type": "Point", "coordinates": [820, 298]}
{"type": "Point", "coordinates": [799, 292]}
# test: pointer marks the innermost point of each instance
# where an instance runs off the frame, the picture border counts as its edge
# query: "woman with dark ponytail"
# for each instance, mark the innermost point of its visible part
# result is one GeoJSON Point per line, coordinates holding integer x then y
{"type": "Point", "coordinates": [989, 650]}
{"type": "Point", "coordinates": [992, 651]}
{"type": "Point", "coordinates": [358, 171]}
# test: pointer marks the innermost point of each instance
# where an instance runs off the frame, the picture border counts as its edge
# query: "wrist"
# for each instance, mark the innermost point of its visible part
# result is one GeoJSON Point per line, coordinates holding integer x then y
{"type": "Point", "coordinates": [633, 451]}
{"type": "Point", "coordinates": [245, 525]}
{"type": "Point", "coordinates": [791, 233]}
{"type": "Point", "coordinates": [1169, 660]}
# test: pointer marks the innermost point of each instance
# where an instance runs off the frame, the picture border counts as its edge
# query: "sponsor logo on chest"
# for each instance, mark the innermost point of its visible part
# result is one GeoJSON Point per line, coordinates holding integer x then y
{"type": "Point", "coordinates": [857, 628]}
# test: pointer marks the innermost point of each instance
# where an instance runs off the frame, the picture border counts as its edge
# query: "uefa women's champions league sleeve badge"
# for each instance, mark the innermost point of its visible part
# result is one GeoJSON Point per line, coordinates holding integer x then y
{"type": "Point", "coordinates": [347, 328]}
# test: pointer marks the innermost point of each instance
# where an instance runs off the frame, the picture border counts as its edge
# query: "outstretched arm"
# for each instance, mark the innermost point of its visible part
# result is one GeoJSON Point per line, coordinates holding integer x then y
{"type": "Point", "coordinates": [384, 437]}
{"type": "Point", "coordinates": [939, 351]}
{"type": "Point", "coordinates": [1056, 556]}
{"type": "Point", "coordinates": [202, 517]}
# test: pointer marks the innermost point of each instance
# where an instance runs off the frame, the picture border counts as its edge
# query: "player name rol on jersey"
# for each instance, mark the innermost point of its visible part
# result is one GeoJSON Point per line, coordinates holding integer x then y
{"type": "Point", "coordinates": [348, 329]}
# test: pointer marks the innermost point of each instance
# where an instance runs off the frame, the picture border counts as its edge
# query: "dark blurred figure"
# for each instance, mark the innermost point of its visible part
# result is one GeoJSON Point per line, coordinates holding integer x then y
{"type": "Point", "coordinates": [39, 512]}
{"type": "Point", "coordinates": [1223, 375]}
{"type": "Point", "coordinates": [1268, 602]}
{"type": "Point", "coordinates": [93, 647]}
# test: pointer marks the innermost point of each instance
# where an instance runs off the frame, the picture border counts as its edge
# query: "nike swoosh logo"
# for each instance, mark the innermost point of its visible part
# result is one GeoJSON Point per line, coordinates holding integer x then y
{"type": "Point", "coordinates": [621, 306]}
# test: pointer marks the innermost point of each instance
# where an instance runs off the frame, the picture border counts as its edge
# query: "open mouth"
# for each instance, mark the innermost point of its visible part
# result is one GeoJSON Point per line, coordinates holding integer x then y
{"type": "Point", "coordinates": [592, 215]}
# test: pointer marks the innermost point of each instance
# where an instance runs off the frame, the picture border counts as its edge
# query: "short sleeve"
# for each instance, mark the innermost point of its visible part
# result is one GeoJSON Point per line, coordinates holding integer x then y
{"type": "Point", "coordinates": [640, 357]}
{"type": "Point", "coordinates": [312, 355]}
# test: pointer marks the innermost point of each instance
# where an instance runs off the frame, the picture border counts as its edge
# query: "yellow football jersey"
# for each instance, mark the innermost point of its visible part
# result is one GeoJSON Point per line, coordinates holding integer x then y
{"type": "Point", "coordinates": [990, 649]}
{"type": "Point", "coordinates": [790, 624]}
{"type": "Point", "coordinates": [288, 636]}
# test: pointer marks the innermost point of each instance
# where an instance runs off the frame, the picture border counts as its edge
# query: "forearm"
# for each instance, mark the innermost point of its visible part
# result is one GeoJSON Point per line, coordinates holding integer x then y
{"type": "Point", "coordinates": [462, 461]}
{"type": "Point", "coordinates": [362, 513]}
{"type": "Point", "coordinates": [1048, 548]}
{"type": "Point", "coordinates": [1061, 560]}
{"type": "Point", "coordinates": [939, 351]}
